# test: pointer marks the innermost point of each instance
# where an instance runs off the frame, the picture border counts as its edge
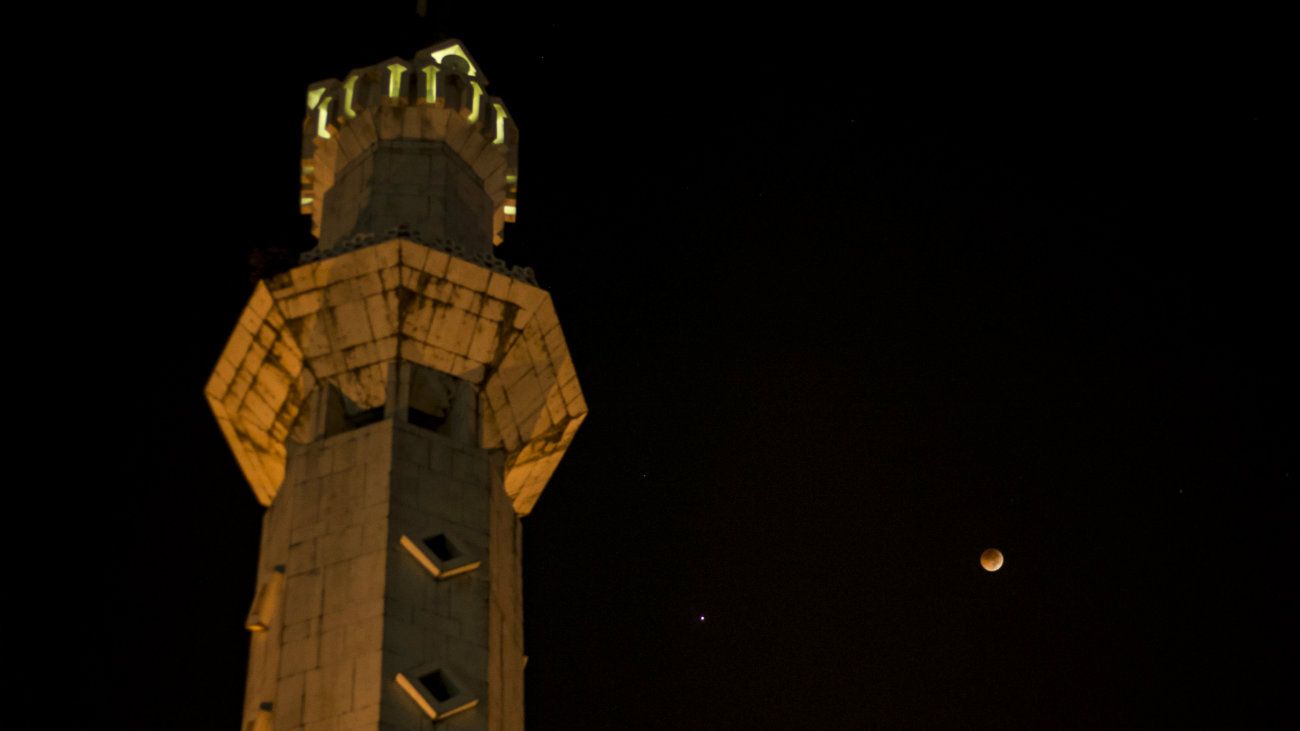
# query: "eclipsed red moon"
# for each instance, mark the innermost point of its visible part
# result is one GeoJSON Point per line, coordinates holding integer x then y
{"type": "Point", "coordinates": [991, 559]}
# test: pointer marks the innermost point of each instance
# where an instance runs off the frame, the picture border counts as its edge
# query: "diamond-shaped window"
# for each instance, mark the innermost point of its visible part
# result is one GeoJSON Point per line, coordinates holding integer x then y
{"type": "Point", "coordinates": [441, 555]}
{"type": "Point", "coordinates": [437, 693]}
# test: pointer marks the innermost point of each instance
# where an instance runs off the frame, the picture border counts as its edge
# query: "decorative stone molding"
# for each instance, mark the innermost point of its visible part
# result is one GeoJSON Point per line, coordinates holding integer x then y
{"type": "Point", "coordinates": [362, 240]}
{"type": "Point", "coordinates": [433, 688]}
{"type": "Point", "coordinates": [441, 555]}
{"type": "Point", "coordinates": [266, 602]}
{"type": "Point", "coordinates": [346, 321]}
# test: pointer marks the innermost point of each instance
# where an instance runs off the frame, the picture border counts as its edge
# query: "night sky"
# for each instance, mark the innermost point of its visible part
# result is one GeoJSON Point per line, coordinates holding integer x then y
{"type": "Point", "coordinates": [850, 302]}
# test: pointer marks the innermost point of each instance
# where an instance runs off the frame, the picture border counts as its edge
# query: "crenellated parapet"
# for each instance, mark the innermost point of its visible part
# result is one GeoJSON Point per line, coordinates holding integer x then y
{"type": "Point", "coordinates": [399, 117]}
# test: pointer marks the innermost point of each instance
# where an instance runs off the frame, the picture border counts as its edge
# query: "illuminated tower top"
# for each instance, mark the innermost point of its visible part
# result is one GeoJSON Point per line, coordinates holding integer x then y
{"type": "Point", "coordinates": [415, 143]}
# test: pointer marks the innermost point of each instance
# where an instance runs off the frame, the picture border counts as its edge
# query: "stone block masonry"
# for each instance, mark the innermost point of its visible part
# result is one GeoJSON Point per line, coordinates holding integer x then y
{"type": "Point", "coordinates": [397, 403]}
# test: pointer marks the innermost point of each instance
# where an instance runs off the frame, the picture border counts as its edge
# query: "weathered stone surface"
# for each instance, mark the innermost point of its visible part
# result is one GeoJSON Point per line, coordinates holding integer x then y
{"type": "Point", "coordinates": [397, 401]}
{"type": "Point", "coordinates": [451, 315]}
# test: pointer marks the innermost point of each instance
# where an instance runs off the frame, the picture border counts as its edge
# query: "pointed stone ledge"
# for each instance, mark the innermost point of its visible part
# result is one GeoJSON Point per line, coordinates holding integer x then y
{"type": "Point", "coordinates": [345, 321]}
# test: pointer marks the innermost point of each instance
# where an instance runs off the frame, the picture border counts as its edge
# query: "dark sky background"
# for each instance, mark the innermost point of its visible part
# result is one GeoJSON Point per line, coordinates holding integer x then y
{"type": "Point", "coordinates": [850, 301]}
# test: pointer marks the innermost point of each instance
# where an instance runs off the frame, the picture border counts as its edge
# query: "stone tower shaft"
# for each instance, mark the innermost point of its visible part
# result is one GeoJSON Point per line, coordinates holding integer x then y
{"type": "Point", "coordinates": [398, 401]}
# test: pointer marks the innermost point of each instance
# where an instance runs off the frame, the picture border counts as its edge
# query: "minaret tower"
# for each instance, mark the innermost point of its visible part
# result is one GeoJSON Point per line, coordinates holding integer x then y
{"type": "Point", "coordinates": [398, 402]}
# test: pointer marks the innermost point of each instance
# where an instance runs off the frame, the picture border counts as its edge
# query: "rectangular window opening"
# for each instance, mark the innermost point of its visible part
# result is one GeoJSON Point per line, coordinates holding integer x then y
{"type": "Point", "coordinates": [365, 418]}
{"type": "Point", "coordinates": [424, 419]}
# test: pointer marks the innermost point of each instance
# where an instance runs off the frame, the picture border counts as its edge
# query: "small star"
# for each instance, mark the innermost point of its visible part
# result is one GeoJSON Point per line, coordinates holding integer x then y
{"type": "Point", "coordinates": [701, 617]}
